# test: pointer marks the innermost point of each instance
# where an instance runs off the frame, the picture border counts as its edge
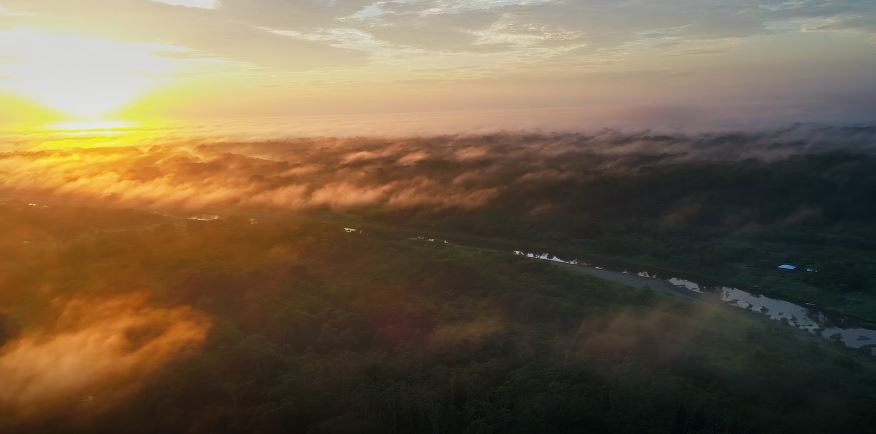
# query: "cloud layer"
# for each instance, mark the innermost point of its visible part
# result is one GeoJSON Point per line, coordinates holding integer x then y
{"type": "Point", "coordinates": [419, 173]}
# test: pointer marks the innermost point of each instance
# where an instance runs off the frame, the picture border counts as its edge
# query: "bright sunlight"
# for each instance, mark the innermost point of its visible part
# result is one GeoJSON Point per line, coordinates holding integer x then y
{"type": "Point", "coordinates": [84, 77]}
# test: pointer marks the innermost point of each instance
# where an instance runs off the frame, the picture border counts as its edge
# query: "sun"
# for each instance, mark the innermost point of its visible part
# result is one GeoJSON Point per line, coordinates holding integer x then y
{"type": "Point", "coordinates": [84, 77]}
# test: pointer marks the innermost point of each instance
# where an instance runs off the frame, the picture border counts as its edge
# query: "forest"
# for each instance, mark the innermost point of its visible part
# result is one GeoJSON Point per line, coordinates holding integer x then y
{"type": "Point", "coordinates": [289, 286]}
{"type": "Point", "coordinates": [272, 325]}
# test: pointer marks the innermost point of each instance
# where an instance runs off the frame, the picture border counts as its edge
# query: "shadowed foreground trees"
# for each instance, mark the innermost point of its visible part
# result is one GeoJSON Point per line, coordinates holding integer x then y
{"type": "Point", "coordinates": [318, 331]}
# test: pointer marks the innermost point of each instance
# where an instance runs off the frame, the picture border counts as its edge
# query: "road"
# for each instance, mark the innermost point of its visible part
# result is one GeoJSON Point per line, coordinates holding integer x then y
{"type": "Point", "coordinates": [633, 280]}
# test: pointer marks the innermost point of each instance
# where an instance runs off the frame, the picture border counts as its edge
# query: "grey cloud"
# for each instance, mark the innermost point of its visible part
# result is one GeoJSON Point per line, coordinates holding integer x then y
{"type": "Point", "coordinates": [207, 31]}
{"type": "Point", "coordinates": [301, 15]}
{"type": "Point", "coordinates": [443, 32]}
{"type": "Point", "coordinates": [611, 24]}
{"type": "Point", "coordinates": [423, 36]}
{"type": "Point", "coordinates": [448, 26]}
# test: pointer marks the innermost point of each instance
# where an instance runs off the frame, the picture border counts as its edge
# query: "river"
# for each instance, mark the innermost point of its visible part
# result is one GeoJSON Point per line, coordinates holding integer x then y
{"type": "Point", "coordinates": [809, 319]}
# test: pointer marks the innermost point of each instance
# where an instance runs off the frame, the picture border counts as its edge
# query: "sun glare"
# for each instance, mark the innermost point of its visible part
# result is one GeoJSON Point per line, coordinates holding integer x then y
{"type": "Point", "coordinates": [91, 126]}
{"type": "Point", "coordinates": [83, 77]}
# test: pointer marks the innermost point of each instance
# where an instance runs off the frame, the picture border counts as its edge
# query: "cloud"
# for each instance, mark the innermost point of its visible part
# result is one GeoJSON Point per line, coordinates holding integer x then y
{"type": "Point", "coordinates": [248, 29]}
{"type": "Point", "coordinates": [6, 13]}
{"type": "Point", "coordinates": [430, 174]}
{"type": "Point", "coordinates": [656, 336]}
{"type": "Point", "coordinates": [216, 32]}
{"type": "Point", "coordinates": [300, 15]}
{"type": "Point", "coordinates": [434, 55]}
{"type": "Point", "coordinates": [202, 4]}
{"type": "Point", "coordinates": [205, 177]}
{"type": "Point", "coordinates": [596, 27]}
{"type": "Point", "coordinates": [575, 23]}
{"type": "Point", "coordinates": [451, 335]}
{"type": "Point", "coordinates": [97, 352]}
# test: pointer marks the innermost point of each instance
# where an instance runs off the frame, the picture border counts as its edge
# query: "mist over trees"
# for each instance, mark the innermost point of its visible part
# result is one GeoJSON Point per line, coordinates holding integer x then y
{"type": "Point", "coordinates": [801, 176]}
{"type": "Point", "coordinates": [312, 329]}
{"type": "Point", "coordinates": [203, 288]}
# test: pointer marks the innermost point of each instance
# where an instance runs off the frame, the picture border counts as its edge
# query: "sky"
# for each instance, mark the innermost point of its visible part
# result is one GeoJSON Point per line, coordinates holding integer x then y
{"type": "Point", "coordinates": [365, 66]}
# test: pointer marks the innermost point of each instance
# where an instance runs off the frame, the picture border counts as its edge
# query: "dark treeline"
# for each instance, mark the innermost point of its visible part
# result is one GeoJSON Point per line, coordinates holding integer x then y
{"type": "Point", "coordinates": [719, 222]}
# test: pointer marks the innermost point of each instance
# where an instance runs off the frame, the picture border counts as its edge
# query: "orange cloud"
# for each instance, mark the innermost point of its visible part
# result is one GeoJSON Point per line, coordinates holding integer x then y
{"type": "Point", "coordinates": [97, 352]}
{"type": "Point", "coordinates": [434, 174]}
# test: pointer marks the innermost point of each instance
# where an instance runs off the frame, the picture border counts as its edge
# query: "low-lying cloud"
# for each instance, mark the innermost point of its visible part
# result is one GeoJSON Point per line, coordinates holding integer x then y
{"type": "Point", "coordinates": [97, 352]}
{"type": "Point", "coordinates": [535, 172]}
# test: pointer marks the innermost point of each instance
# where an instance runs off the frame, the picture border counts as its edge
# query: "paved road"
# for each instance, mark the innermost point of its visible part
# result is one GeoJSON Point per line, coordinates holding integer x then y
{"type": "Point", "coordinates": [633, 280]}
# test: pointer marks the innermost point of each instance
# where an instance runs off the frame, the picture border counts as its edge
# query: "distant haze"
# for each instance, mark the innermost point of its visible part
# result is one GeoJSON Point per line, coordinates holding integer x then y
{"type": "Point", "coordinates": [448, 66]}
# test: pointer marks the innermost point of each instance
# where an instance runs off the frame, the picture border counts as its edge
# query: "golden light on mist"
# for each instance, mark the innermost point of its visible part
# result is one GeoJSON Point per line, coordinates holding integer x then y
{"type": "Point", "coordinates": [100, 127]}
{"type": "Point", "coordinates": [98, 352]}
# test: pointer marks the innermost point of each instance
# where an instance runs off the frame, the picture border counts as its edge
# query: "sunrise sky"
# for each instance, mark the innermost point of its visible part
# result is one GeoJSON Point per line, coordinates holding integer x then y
{"type": "Point", "coordinates": [449, 63]}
